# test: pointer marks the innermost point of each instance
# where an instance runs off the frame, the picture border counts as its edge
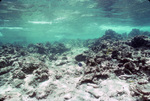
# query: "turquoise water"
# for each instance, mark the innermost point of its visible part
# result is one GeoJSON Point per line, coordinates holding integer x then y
{"type": "Point", "coordinates": [34, 21]}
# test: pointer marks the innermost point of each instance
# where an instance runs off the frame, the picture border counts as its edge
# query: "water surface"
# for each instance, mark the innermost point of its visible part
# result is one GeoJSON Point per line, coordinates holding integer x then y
{"type": "Point", "coordinates": [51, 20]}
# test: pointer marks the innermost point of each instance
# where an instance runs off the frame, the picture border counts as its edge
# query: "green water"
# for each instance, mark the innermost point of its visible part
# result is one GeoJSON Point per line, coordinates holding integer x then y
{"type": "Point", "coordinates": [53, 20]}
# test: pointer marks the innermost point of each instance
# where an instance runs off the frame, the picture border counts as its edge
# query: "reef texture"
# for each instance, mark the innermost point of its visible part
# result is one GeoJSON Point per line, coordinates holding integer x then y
{"type": "Point", "coordinates": [129, 60]}
{"type": "Point", "coordinates": [111, 68]}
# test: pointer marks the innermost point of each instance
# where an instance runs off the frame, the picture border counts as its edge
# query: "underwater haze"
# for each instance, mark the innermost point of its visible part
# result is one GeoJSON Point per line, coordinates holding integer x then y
{"type": "Point", "coordinates": [74, 50]}
{"type": "Point", "coordinates": [32, 21]}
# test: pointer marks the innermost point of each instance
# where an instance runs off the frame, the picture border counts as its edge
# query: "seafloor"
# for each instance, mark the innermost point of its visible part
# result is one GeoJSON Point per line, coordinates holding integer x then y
{"type": "Point", "coordinates": [115, 67]}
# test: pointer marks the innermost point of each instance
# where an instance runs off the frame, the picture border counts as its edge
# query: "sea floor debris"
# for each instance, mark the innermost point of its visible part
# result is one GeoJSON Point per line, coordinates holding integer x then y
{"type": "Point", "coordinates": [111, 69]}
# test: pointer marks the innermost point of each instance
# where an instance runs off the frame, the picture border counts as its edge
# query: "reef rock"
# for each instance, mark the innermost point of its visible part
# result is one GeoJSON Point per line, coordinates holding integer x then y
{"type": "Point", "coordinates": [140, 41]}
{"type": "Point", "coordinates": [29, 64]}
{"type": "Point", "coordinates": [80, 57]}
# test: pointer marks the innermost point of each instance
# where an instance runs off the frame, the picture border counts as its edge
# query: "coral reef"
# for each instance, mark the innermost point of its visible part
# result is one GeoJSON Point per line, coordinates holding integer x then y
{"type": "Point", "coordinates": [109, 68]}
{"type": "Point", "coordinates": [47, 48]}
{"type": "Point", "coordinates": [137, 32]}
{"type": "Point", "coordinates": [126, 59]}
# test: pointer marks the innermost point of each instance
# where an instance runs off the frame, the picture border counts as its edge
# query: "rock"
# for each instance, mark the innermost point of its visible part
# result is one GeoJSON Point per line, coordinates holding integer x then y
{"type": "Point", "coordinates": [125, 60]}
{"type": "Point", "coordinates": [58, 75]}
{"type": "Point", "coordinates": [67, 96]}
{"type": "Point", "coordinates": [90, 69]}
{"type": "Point", "coordinates": [115, 54]}
{"type": "Point", "coordinates": [40, 48]}
{"type": "Point", "coordinates": [29, 64]}
{"type": "Point", "coordinates": [58, 48]}
{"type": "Point", "coordinates": [31, 94]}
{"type": "Point", "coordinates": [139, 41]}
{"type": "Point", "coordinates": [2, 98]}
{"type": "Point", "coordinates": [43, 92]}
{"type": "Point", "coordinates": [131, 67]}
{"type": "Point", "coordinates": [99, 60]}
{"type": "Point", "coordinates": [108, 58]}
{"type": "Point", "coordinates": [48, 44]}
{"type": "Point", "coordinates": [141, 91]}
{"type": "Point", "coordinates": [80, 58]}
{"type": "Point", "coordinates": [3, 63]}
{"type": "Point", "coordinates": [95, 92]}
{"type": "Point", "coordinates": [48, 48]}
{"type": "Point", "coordinates": [19, 74]}
{"type": "Point", "coordinates": [28, 68]}
{"type": "Point", "coordinates": [64, 58]}
{"type": "Point", "coordinates": [33, 82]}
{"type": "Point", "coordinates": [137, 32]}
{"type": "Point", "coordinates": [134, 32]}
{"type": "Point", "coordinates": [142, 81]}
{"type": "Point", "coordinates": [41, 95]}
{"type": "Point", "coordinates": [110, 34]}
{"type": "Point", "coordinates": [88, 78]}
{"type": "Point", "coordinates": [5, 70]}
{"type": "Point", "coordinates": [17, 82]}
{"type": "Point", "coordinates": [61, 63]}
{"type": "Point", "coordinates": [91, 62]}
{"type": "Point", "coordinates": [41, 74]}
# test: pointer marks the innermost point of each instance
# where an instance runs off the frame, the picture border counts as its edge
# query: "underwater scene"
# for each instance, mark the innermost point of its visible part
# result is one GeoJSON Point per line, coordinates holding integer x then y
{"type": "Point", "coordinates": [74, 50]}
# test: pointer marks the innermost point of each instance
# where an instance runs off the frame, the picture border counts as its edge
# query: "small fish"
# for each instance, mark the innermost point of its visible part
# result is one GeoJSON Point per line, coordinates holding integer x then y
{"type": "Point", "coordinates": [80, 64]}
{"type": "Point", "coordinates": [131, 81]}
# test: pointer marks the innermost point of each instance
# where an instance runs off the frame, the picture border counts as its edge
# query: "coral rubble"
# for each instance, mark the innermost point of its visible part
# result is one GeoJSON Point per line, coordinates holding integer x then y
{"type": "Point", "coordinates": [110, 69]}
